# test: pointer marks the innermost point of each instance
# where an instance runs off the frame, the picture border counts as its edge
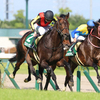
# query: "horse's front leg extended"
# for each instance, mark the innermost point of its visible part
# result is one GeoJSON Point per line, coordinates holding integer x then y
{"type": "Point", "coordinates": [48, 78]}
{"type": "Point", "coordinates": [54, 77]}
{"type": "Point", "coordinates": [71, 82]}
{"type": "Point", "coordinates": [96, 69]}
{"type": "Point", "coordinates": [45, 65]}
{"type": "Point", "coordinates": [67, 78]}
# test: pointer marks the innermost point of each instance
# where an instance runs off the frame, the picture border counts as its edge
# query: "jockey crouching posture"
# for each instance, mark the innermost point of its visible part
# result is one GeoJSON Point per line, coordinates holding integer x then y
{"type": "Point", "coordinates": [79, 34]}
{"type": "Point", "coordinates": [40, 24]}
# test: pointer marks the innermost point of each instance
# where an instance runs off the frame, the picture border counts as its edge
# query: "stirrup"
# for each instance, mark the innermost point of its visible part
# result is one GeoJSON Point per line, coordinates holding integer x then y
{"type": "Point", "coordinates": [34, 48]}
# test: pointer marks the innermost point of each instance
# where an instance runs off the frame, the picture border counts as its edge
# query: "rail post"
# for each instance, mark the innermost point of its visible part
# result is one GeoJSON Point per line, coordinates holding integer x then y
{"type": "Point", "coordinates": [0, 77]}
{"type": "Point", "coordinates": [12, 80]}
{"type": "Point", "coordinates": [78, 80]}
{"type": "Point", "coordinates": [37, 84]}
{"type": "Point", "coordinates": [86, 73]}
{"type": "Point", "coordinates": [6, 72]}
{"type": "Point", "coordinates": [91, 81]}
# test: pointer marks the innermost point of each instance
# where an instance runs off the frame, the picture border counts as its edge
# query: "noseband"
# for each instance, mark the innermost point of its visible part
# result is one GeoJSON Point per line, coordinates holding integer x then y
{"type": "Point", "coordinates": [60, 31]}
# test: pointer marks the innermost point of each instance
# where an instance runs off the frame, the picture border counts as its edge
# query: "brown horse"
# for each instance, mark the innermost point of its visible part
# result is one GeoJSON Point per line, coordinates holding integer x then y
{"type": "Point", "coordinates": [88, 53]}
{"type": "Point", "coordinates": [49, 50]}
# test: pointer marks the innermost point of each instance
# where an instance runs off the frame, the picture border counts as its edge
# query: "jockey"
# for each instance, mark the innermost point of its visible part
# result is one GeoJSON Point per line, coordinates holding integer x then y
{"type": "Point", "coordinates": [42, 23]}
{"type": "Point", "coordinates": [80, 33]}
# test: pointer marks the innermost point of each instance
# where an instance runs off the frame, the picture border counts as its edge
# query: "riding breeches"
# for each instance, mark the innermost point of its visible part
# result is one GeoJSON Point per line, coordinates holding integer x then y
{"type": "Point", "coordinates": [41, 30]}
{"type": "Point", "coordinates": [78, 37]}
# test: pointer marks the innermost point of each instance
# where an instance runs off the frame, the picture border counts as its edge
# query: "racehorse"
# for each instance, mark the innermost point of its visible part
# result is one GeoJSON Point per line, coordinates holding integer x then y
{"type": "Point", "coordinates": [49, 50]}
{"type": "Point", "coordinates": [88, 53]}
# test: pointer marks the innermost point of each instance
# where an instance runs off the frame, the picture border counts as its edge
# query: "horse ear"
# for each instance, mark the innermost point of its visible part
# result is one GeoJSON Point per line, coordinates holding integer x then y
{"type": "Point", "coordinates": [96, 24]}
{"type": "Point", "coordinates": [58, 18]}
{"type": "Point", "coordinates": [67, 16]}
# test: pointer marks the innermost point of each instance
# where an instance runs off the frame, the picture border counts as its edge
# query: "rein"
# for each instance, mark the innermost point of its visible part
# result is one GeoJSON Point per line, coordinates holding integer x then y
{"type": "Point", "coordinates": [60, 31]}
{"type": "Point", "coordinates": [93, 36]}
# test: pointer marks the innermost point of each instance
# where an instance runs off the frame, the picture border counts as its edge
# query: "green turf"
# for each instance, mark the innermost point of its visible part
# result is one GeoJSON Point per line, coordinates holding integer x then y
{"type": "Point", "coordinates": [14, 94]}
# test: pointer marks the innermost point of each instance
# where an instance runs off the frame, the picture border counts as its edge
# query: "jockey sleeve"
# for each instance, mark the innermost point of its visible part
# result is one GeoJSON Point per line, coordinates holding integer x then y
{"type": "Point", "coordinates": [80, 31]}
{"type": "Point", "coordinates": [37, 19]}
{"type": "Point", "coordinates": [34, 21]}
{"type": "Point", "coordinates": [53, 22]}
{"type": "Point", "coordinates": [55, 19]}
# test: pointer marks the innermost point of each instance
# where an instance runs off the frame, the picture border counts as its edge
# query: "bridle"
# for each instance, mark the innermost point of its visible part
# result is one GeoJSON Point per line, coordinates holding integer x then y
{"type": "Point", "coordinates": [60, 33]}
{"type": "Point", "coordinates": [93, 36]}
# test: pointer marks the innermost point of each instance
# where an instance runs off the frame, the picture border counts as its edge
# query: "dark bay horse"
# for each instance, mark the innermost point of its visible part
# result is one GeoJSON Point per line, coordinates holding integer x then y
{"type": "Point", "coordinates": [88, 53]}
{"type": "Point", "coordinates": [49, 50]}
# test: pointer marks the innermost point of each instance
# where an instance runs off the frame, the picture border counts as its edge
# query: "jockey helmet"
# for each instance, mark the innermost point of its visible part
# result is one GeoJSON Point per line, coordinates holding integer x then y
{"type": "Point", "coordinates": [90, 23]}
{"type": "Point", "coordinates": [49, 15]}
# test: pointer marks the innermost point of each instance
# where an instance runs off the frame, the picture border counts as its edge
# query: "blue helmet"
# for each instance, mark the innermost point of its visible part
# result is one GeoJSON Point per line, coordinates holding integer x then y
{"type": "Point", "coordinates": [90, 23]}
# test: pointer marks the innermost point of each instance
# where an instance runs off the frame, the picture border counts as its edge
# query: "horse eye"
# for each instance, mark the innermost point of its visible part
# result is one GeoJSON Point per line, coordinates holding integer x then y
{"type": "Point", "coordinates": [60, 23]}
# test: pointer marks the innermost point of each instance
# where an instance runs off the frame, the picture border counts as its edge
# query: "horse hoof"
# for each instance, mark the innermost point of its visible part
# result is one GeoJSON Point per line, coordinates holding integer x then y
{"type": "Point", "coordinates": [98, 84]}
{"type": "Point", "coordinates": [11, 76]}
{"type": "Point", "coordinates": [64, 89]}
{"type": "Point", "coordinates": [59, 90]}
{"type": "Point", "coordinates": [71, 83]}
{"type": "Point", "coordinates": [39, 81]}
{"type": "Point", "coordinates": [27, 80]}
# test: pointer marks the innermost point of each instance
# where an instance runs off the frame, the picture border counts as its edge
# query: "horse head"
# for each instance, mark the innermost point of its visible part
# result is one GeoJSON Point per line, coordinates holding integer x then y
{"type": "Point", "coordinates": [97, 27]}
{"type": "Point", "coordinates": [63, 26]}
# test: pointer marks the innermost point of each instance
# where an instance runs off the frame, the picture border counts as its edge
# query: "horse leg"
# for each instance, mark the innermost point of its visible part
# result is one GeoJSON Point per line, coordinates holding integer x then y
{"type": "Point", "coordinates": [41, 76]}
{"type": "Point", "coordinates": [45, 65]}
{"type": "Point", "coordinates": [29, 76]}
{"type": "Point", "coordinates": [31, 68]}
{"type": "Point", "coordinates": [54, 77]}
{"type": "Point", "coordinates": [48, 78]}
{"type": "Point", "coordinates": [96, 69]}
{"type": "Point", "coordinates": [69, 74]}
{"type": "Point", "coordinates": [50, 73]}
{"type": "Point", "coordinates": [67, 79]}
{"type": "Point", "coordinates": [17, 65]}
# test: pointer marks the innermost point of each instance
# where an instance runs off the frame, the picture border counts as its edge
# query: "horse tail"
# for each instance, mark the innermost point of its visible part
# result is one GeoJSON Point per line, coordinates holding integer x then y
{"type": "Point", "coordinates": [13, 59]}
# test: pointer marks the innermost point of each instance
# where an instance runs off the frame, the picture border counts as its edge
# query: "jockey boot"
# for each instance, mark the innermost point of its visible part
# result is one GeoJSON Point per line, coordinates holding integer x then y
{"type": "Point", "coordinates": [33, 43]}
{"type": "Point", "coordinates": [72, 49]}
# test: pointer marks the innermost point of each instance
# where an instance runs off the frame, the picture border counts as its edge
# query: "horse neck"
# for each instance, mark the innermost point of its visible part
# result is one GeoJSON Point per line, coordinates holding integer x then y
{"type": "Point", "coordinates": [56, 38]}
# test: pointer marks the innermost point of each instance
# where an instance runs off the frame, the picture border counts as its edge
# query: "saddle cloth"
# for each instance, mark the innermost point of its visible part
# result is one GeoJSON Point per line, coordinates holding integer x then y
{"type": "Point", "coordinates": [69, 52]}
{"type": "Point", "coordinates": [29, 40]}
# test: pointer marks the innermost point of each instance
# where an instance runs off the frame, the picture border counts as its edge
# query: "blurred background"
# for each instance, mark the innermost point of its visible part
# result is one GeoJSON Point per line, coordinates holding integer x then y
{"type": "Point", "coordinates": [15, 16]}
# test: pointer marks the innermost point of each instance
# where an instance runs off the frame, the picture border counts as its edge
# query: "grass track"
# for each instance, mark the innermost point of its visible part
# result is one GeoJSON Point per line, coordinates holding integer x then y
{"type": "Point", "coordinates": [14, 94]}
